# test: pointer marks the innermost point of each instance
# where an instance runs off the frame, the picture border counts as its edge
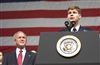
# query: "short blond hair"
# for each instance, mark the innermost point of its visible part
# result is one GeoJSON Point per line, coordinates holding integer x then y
{"type": "Point", "coordinates": [75, 7]}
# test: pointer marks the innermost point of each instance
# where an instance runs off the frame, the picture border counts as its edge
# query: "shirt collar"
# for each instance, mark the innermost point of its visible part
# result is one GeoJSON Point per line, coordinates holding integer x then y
{"type": "Point", "coordinates": [77, 28]}
{"type": "Point", "coordinates": [17, 49]}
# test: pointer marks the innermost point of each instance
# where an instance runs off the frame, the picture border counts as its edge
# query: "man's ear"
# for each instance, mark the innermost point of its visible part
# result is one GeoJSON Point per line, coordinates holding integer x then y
{"type": "Point", "coordinates": [80, 15]}
{"type": "Point", "coordinates": [14, 41]}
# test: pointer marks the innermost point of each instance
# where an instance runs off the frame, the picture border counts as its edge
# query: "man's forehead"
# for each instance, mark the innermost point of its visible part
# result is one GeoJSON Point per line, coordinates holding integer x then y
{"type": "Point", "coordinates": [20, 34]}
{"type": "Point", "coordinates": [72, 10]}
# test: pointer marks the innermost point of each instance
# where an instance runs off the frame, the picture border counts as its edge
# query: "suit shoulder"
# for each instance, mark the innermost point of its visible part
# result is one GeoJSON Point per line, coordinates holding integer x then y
{"type": "Point", "coordinates": [88, 29]}
{"type": "Point", "coordinates": [9, 52]}
{"type": "Point", "coordinates": [85, 29]}
{"type": "Point", "coordinates": [31, 52]}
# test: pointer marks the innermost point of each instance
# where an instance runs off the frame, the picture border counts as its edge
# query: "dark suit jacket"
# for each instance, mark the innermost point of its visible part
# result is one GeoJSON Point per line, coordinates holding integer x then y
{"type": "Point", "coordinates": [10, 58]}
{"type": "Point", "coordinates": [80, 29]}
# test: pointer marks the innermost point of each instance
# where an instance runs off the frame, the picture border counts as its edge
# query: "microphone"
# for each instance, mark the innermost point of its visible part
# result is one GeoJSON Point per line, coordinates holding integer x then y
{"type": "Point", "coordinates": [73, 24]}
{"type": "Point", "coordinates": [67, 25]}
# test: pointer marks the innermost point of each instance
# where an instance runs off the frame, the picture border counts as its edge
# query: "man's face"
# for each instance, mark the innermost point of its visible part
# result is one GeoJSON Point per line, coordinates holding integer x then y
{"type": "Point", "coordinates": [20, 40]}
{"type": "Point", "coordinates": [73, 15]}
{"type": "Point", "coordinates": [1, 56]}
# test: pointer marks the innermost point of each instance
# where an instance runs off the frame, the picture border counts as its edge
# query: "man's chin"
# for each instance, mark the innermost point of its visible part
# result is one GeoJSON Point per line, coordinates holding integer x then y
{"type": "Point", "coordinates": [22, 46]}
{"type": "Point", "coordinates": [72, 20]}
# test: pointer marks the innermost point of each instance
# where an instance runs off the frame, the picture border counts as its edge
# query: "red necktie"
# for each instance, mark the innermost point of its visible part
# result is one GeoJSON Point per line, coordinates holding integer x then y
{"type": "Point", "coordinates": [20, 58]}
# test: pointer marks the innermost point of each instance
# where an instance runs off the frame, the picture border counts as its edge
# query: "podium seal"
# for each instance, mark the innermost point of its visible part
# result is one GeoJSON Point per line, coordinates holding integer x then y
{"type": "Point", "coordinates": [68, 46]}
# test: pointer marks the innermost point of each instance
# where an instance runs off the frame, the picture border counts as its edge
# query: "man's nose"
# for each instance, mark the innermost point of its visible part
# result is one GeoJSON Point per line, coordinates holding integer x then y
{"type": "Point", "coordinates": [22, 39]}
{"type": "Point", "coordinates": [71, 14]}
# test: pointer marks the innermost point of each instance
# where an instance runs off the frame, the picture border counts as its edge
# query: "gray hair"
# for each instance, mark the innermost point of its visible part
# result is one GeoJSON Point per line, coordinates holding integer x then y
{"type": "Point", "coordinates": [14, 36]}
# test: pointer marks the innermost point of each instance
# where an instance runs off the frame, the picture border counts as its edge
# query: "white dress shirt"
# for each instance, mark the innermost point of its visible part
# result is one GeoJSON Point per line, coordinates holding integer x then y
{"type": "Point", "coordinates": [77, 28]}
{"type": "Point", "coordinates": [23, 53]}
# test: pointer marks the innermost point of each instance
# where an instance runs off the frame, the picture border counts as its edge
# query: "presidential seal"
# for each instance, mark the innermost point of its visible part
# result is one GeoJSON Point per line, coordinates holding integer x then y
{"type": "Point", "coordinates": [68, 46]}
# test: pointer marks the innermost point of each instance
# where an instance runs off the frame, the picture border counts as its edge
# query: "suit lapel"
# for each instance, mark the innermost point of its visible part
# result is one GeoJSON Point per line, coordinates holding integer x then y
{"type": "Point", "coordinates": [27, 57]}
{"type": "Point", "coordinates": [13, 57]}
{"type": "Point", "coordinates": [81, 28]}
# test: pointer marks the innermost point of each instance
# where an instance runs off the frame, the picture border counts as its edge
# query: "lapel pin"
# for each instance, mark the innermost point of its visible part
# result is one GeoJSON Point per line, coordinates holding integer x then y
{"type": "Point", "coordinates": [29, 55]}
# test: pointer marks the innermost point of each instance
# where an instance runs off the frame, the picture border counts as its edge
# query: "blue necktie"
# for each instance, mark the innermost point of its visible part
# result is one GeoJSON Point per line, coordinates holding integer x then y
{"type": "Point", "coordinates": [74, 29]}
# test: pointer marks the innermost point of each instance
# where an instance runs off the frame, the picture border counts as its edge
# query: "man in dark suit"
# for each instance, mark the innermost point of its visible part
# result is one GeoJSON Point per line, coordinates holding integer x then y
{"type": "Point", "coordinates": [20, 56]}
{"type": "Point", "coordinates": [74, 14]}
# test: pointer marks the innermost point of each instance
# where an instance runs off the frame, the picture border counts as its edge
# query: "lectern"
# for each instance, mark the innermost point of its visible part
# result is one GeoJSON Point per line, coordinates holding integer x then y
{"type": "Point", "coordinates": [56, 48]}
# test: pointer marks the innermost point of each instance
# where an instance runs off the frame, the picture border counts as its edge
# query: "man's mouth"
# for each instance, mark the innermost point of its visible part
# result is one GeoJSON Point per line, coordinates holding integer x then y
{"type": "Point", "coordinates": [71, 18]}
{"type": "Point", "coordinates": [22, 42]}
